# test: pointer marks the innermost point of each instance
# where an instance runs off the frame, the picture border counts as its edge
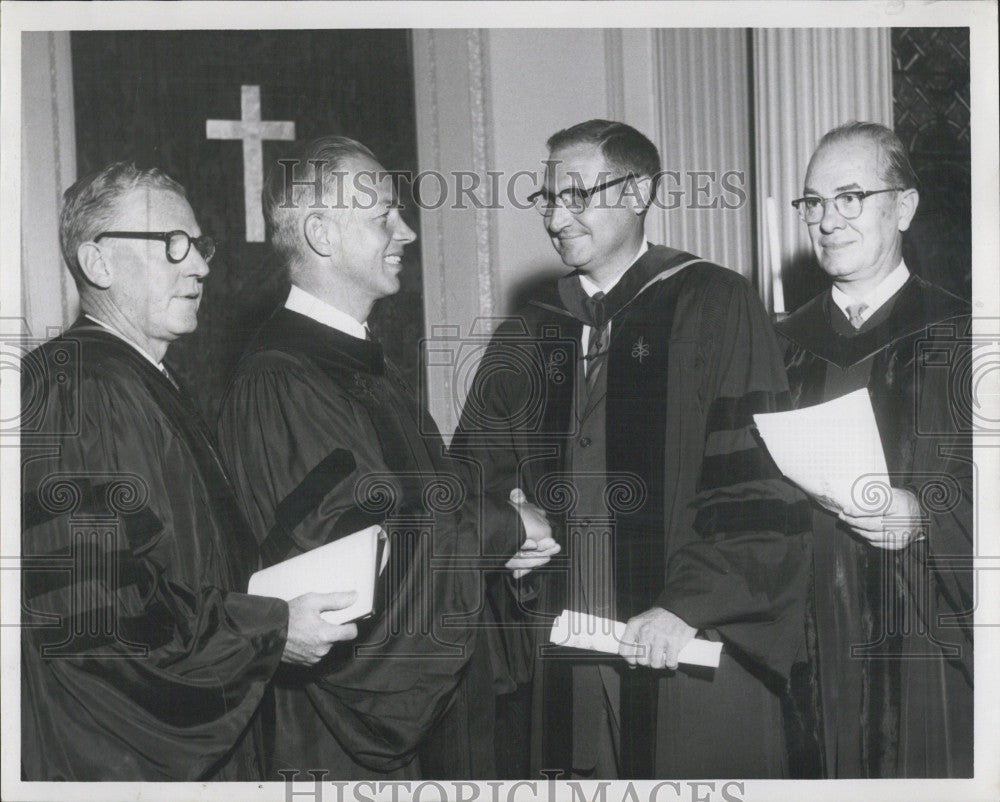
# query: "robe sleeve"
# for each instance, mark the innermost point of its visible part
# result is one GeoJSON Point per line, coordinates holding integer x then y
{"type": "Point", "coordinates": [943, 480]}
{"type": "Point", "coordinates": [380, 695]}
{"type": "Point", "coordinates": [743, 570]}
{"type": "Point", "coordinates": [141, 660]}
{"type": "Point", "coordinates": [491, 437]}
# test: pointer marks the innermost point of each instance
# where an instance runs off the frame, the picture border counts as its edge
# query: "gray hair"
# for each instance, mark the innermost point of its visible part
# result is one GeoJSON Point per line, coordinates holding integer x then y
{"type": "Point", "coordinates": [286, 196]}
{"type": "Point", "coordinates": [894, 162]}
{"type": "Point", "coordinates": [93, 204]}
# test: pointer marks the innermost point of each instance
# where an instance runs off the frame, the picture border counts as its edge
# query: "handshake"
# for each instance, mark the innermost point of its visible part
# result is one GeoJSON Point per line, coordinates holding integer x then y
{"type": "Point", "coordinates": [310, 636]}
{"type": "Point", "coordinates": [538, 546]}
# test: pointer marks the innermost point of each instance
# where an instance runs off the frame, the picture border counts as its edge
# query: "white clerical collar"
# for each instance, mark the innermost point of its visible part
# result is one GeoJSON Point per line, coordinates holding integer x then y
{"type": "Point", "coordinates": [153, 361]}
{"type": "Point", "coordinates": [307, 304]}
{"type": "Point", "coordinates": [590, 287]}
{"type": "Point", "coordinates": [886, 288]}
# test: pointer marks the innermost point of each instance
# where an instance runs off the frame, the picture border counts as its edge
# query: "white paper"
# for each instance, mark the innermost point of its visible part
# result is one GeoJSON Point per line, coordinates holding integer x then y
{"type": "Point", "coordinates": [832, 451]}
{"type": "Point", "coordinates": [584, 631]}
{"type": "Point", "coordinates": [346, 564]}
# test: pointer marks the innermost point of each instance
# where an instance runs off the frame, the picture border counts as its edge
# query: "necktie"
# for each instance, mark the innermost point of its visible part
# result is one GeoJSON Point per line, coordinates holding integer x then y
{"type": "Point", "coordinates": [165, 372]}
{"type": "Point", "coordinates": [597, 345]}
{"type": "Point", "coordinates": [854, 312]}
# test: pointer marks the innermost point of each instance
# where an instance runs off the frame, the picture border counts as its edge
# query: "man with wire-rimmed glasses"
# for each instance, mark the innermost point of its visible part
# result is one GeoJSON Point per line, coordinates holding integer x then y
{"type": "Point", "coordinates": [143, 658]}
{"type": "Point", "coordinates": [637, 439]}
{"type": "Point", "coordinates": [890, 667]}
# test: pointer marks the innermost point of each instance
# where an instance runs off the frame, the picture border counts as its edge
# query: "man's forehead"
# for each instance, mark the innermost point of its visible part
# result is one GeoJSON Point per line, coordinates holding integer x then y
{"type": "Point", "coordinates": [366, 175]}
{"type": "Point", "coordinates": [155, 207]}
{"type": "Point", "coordinates": [850, 163]}
{"type": "Point", "coordinates": [583, 162]}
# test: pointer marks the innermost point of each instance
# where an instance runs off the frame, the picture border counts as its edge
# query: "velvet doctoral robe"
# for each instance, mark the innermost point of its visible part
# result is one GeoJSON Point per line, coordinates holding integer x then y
{"type": "Point", "coordinates": [890, 691]}
{"type": "Point", "coordinates": [323, 438]}
{"type": "Point", "coordinates": [703, 525]}
{"type": "Point", "coordinates": [142, 657]}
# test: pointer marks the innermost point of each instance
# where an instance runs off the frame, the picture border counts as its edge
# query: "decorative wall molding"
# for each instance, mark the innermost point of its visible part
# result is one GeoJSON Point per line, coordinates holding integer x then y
{"type": "Point", "coordinates": [454, 130]}
{"type": "Point", "coordinates": [481, 125]}
{"type": "Point", "coordinates": [49, 300]}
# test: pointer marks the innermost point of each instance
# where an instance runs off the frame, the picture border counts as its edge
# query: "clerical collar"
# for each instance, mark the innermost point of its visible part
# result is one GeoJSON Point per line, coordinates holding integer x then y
{"type": "Point", "coordinates": [307, 304]}
{"type": "Point", "coordinates": [149, 357]}
{"type": "Point", "coordinates": [886, 288]}
{"type": "Point", "coordinates": [591, 288]}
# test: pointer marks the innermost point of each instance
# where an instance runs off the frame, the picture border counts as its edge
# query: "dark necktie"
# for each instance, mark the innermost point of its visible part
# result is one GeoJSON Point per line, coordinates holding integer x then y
{"type": "Point", "coordinates": [597, 345]}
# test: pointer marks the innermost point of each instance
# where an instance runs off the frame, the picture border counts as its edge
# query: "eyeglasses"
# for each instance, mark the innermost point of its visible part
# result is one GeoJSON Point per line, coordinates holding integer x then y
{"type": "Point", "coordinates": [573, 199]}
{"type": "Point", "coordinates": [848, 204]}
{"type": "Point", "coordinates": [178, 242]}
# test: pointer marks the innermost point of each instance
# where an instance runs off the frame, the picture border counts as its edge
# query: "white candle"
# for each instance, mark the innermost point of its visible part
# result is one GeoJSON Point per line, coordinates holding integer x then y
{"type": "Point", "coordinates": [774, 256]}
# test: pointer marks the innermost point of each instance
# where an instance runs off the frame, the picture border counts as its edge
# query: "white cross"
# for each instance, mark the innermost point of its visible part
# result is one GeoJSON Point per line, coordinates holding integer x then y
{"type": "Point", "coordinates": [253, 132]}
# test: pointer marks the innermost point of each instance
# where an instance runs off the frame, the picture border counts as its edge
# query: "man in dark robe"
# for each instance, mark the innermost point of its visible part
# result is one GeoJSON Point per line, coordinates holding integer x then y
{"type": "Point", "coordinates": [891, 607]}
{"type": "Point", "coordinates": [323, 437]}
{"type": "Point", "coordinates": [620, 399]}
{"type": "Point", "coordinates": [142, 656]}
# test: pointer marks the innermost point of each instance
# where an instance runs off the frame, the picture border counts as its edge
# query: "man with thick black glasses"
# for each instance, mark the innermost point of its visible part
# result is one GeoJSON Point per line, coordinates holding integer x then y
{"type": "Point", "coordinates": [621, 399]}
{"type": "Point", "coordinates": [891, 612]}
{"type": "Point", "coordinates": [143, 658]}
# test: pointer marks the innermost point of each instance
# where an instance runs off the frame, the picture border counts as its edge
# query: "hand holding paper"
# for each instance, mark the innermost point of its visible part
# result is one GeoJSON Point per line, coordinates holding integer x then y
{"type": "Point", "coordinates": [902, 523]}
{"type": "Point", "coordinates": [656, 639]}
{"type": "Point", "coordinates": [309, 635]}
{"type": "Point", "coordinates": [583, 631]}
{"type": "Point", "coordinates": [350, 563]}
{"type": "Point", "coordinates": [832, 451]}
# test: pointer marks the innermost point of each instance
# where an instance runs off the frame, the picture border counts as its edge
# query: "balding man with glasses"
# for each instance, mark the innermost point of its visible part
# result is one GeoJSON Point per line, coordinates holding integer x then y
{"type": "Point", "coordinates": [891, 611]}
{"type": "Point", "coordinates": [142, 657]}
{"type": "Point", "coordinates": [626, 412]}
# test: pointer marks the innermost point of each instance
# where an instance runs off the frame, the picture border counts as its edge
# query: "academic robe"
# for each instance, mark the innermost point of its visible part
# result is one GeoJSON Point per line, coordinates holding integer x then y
{"type": "Point", "coordinates": [142, 657]}
{"type": "Point", "coordinates": [323, 437]}
{"type": "Point", "coordinates": [704, 526]}
{"type": "Point", "coordinates": [889, 690]}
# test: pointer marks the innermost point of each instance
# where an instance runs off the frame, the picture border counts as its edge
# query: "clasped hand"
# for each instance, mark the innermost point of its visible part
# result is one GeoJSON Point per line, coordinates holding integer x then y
{"type": "Point", "coordinates": [538, 546]}
{"type": "Point", "coordinates": [655, 639]}
{"type": "Point", "coordinates": [900, 525]}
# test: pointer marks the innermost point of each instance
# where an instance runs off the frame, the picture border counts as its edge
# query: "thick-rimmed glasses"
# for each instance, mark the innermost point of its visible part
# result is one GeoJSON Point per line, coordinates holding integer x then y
{"type": "Point", "coordinates": [848, 204]}
{"type": "Point", "coordinates": [178, 243]}
{"type": "Point", "coordinates": [573, 199]}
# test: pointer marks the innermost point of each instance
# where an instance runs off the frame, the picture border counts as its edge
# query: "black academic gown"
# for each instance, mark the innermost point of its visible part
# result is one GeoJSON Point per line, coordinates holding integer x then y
{"type": "Point", "coordinates": [889, 693]}
{"type": "Point", "coordinates": [142, 658]}
{"type": "Point", "coordinates": [713, 535]}
{"type": "Point", "coordinates": [323, 438]}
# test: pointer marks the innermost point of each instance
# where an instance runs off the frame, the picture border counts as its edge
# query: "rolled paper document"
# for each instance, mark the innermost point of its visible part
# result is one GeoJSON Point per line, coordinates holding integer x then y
{"type": "Point", "coordinates": [583, 631]}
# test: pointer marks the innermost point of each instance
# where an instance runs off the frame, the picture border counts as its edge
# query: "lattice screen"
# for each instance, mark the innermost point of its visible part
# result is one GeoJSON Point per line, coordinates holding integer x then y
{"type": "Point", "coordinates": [931, 110]}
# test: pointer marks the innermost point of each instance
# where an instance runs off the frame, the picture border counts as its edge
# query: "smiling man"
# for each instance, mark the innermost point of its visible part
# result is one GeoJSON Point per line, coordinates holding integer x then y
{"type": "Point", "coordinates": [142, 656]}
{"type": "Point", "coordinates": [892, 607]}
{"type": "Point", "coordinates": [323, 437]}
{"type": "Point", "coordinates": [627, 411]}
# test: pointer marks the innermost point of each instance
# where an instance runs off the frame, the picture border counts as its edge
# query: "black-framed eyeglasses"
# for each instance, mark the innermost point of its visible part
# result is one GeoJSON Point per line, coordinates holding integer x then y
{"type": "Point", "coordinates": [848, 204]}
{"type": "Point", "coordinates": [573, 199]}
{"type": "Point", "coordinates": [178, 243]}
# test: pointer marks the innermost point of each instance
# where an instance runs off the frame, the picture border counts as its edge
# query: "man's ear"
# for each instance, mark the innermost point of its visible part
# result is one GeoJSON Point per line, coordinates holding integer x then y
{"type": "Point", "coordinates": [909, 199]}
{"type": "Point", "coordinates": [94, 266]}
{"type": "Point", "coordinates": [320, 233]}
{"type": "Point", "coordinates": [639, 192]}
